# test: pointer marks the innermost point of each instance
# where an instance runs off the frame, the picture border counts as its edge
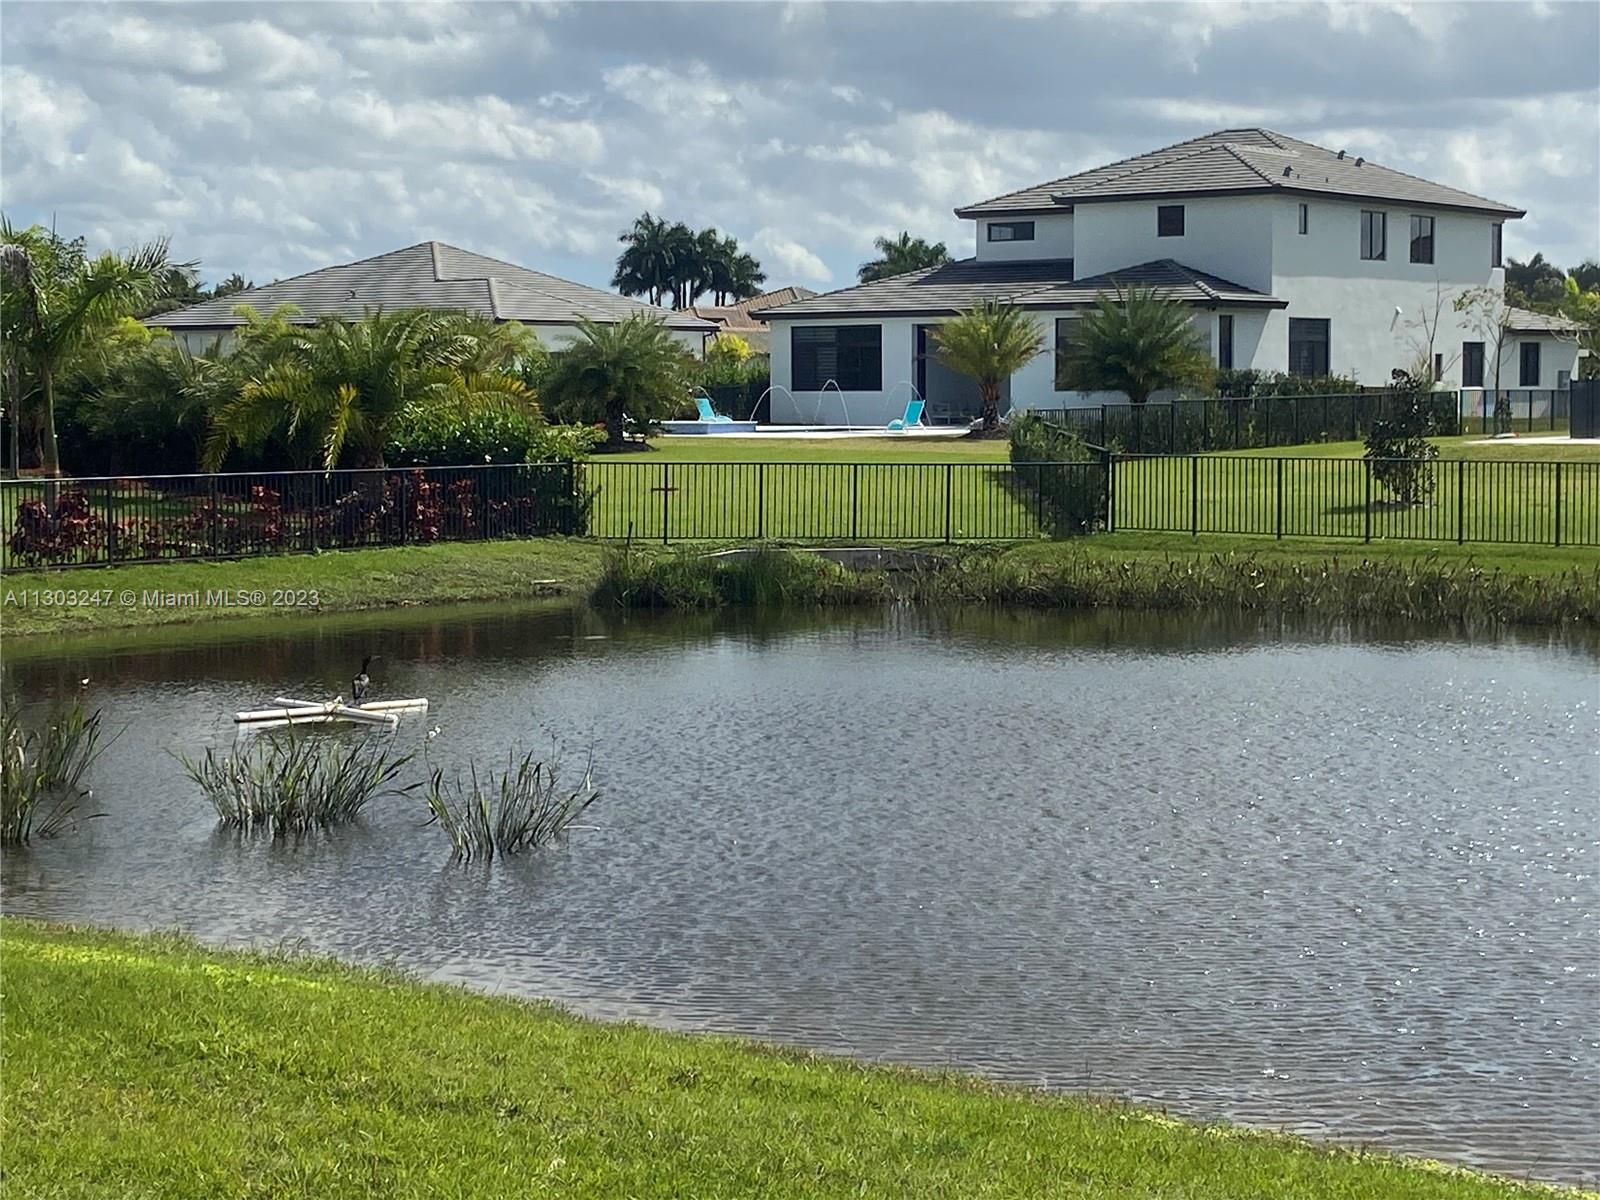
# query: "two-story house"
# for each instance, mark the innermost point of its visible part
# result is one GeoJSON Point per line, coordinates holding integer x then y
{"type": "Point", "coordinates": [1294, 257]}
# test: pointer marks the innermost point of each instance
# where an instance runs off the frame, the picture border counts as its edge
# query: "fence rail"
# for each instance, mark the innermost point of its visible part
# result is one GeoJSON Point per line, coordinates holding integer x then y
{"type": "Point", "coordinates": [85, 522]}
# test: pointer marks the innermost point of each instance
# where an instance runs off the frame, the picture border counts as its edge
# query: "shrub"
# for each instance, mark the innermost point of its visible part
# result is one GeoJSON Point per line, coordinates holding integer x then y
{"type": "Point", "coordinates": [430, 434]}
{"type": "Point", "coordinates": [1399, 455]}
{"type": "Point", "coordinates": [295, 784]}
{"type": "Point", "coordinates": [42, 536]}
{"type": "Point", "coordinates": [1248, 384]}
{"type": "Point", "coordinates": [41, 771]}
{"type": "Point", "coordinates": [1045, 454]}
{"type": "Point", "coordinates": [504, 814]}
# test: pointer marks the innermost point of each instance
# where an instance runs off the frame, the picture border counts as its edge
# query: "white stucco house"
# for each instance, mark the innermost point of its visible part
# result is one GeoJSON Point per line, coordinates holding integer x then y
{"type": "Point", "coordinates": [428, 275]}
{"type": "Point", "coordinates": [1294, 257]}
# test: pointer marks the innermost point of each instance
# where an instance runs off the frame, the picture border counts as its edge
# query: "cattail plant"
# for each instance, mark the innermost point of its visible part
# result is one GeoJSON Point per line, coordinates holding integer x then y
{"type": "Point", "coordinates": [41, 771]}
{"type": "Point", "coordinates": [295, 784]}
{"type": "Point", "coordinates": [503, 814]}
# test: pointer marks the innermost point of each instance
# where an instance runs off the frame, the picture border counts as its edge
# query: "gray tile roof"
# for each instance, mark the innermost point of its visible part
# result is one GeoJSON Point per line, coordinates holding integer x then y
{"type": "Point", "coordinates": [428, 275]}
{"type": "Point", "coordinates": [1232, 161]}
{"type": "Point", "coordinates": [1038, 283]}
{"type": "Point", "coordinates": [749, 314]}
{"type": "Point", "coordinates": [1524, 320]}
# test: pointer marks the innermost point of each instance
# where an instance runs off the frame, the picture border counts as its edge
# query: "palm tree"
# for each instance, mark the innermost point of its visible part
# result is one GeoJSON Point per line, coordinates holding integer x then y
{"type": "Point", "coordinates": [1139, 342]}
{"type": "Point", "coordinates": [644, 268]}
{"type": "Point", "coordinates": [990, 342]}
{"type": "Point", "coordinates": [632, 369]}
{"type": "Point", "coordinates": [901, 254]}
{"type": "Point", "coordinates": [54, 304]}
{"type": "Point", "coordinates": [333, 392]}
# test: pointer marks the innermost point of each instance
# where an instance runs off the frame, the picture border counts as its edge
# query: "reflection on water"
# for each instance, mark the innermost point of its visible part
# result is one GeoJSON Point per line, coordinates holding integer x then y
{"type": "Point", "coordinates": [1341, 884]}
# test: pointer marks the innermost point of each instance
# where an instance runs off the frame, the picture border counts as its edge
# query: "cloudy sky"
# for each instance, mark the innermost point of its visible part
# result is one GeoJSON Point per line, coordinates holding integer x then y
{"type": "Point", "coordinates": [272, 139]}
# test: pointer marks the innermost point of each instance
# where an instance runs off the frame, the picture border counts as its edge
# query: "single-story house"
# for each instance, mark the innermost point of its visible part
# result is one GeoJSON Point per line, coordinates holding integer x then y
{"type": "Point", "coordinates": [744, 317]}
{"type": "Point", "coordinates": [429, 275]}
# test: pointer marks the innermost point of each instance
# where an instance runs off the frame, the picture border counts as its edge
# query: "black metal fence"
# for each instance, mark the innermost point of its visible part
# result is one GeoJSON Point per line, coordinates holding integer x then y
{"type": "Point", "coordinates": [1256, 423]}
{"type": "Point", "coordinates": [83, 522]}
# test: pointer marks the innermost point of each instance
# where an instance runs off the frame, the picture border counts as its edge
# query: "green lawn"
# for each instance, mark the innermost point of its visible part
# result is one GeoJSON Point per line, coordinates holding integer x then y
{"type": "Point", "coordinates": [147, 1067]}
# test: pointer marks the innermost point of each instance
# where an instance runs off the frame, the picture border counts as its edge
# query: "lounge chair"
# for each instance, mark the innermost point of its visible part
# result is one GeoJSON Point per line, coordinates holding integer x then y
{"type": "Point", "coordinates": [912, 418]}
{"type": "Point", "coordinates": [709, 414]}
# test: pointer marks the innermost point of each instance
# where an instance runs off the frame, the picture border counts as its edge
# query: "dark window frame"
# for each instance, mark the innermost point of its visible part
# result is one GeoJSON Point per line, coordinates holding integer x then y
{"type": "Point", "coordinates": [1225, 341]}
{"type": "Point", "coordinates": [1165, 216]}
{"type": "Point", "coordinates": [1421, 238]}
{"type": "Point", "coordinates": [1497, 244]}
{"type": "Point", "coordinates": [1312, 326]}
{"type": "Point", "coordinates": [855, 351]}
{"type": "Point", "coordinates": [1020, 231]}
{"type": "Point", "coordinates": [1374, 235]}
{"type": "Point", "coordinates": [1472, 364]}
{"type": "Point", "coordinates": [1523, 362]}
{"type": "Point", "coordinates": [1063, 324]}
{"type": "Point", "coordinates": [1305, 217]}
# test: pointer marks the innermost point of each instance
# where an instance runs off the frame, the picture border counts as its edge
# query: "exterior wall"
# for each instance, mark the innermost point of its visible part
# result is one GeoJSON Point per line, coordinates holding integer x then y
{"type": "Point", "coordinates": [832, 407]}
{"type": "Point", "coordinates": [1555, 355]}
{"type": "Point", "coordinates": [1229, 236]}
{"type": "Point", "coordinates": [1052, 238]}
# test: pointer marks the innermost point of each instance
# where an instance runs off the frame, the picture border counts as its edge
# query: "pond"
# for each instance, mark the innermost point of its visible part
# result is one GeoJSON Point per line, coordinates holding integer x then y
{"type": "Point", "coordinates": [1344, 885]}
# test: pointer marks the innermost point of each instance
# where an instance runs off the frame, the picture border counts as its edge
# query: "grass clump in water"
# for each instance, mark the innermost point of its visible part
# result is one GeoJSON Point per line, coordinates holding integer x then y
{"type": "Point", "coordinates": [767, 577]}
{"type": "Point", "coordinates": [293, 785]}
{"type": "Point", "coordinates": [523, 809]}
{"type": "Point", "coordinates": [41, 771]}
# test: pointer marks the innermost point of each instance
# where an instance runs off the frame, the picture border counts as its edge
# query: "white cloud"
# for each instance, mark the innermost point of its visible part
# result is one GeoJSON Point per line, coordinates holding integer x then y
{"type": "Point", "coordinates": [791, 256]}
{"type": "Point", "coordinates": [692, 95]}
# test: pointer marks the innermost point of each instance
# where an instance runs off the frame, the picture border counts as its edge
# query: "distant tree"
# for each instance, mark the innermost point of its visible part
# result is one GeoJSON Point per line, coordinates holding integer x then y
{"type": "Point", "coordinates": [233, 283]}
{"type": "Point", "coordinates": [1487, 312]}
{"type": "Point", "coordinates": [1534, 283]}
{"type": "Point", "coordinates": [1586, 275]}
{"type": "Point", "coordinates": [632, 369]}
{"type": "Point", "coordinates": [1138, 342]}
{"type": "Point", "coordinates": [334, 392]}
{"type": "Point", "coordinates": [669, 263]}
{"type": "Point", "coordinates": [901, 254]}
{"type": "Point", "coordinates": [56, 299]}
{"type": "Point", "coordinates": [990, 343]}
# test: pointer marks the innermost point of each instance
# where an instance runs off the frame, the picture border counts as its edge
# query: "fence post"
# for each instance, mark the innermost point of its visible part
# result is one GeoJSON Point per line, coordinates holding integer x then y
{"type": "Point", "coordinates": [1461, 501]}
{"type": "Point", "coordinates": [949, 482]}
{"type": "Point", "coordinates": [855, 499]}
{"type": "Point", "coordinates": [214, 518]}
{"type": "Point", "coordinates": [666, 502]}
{"type": "Point", "coordinates": [1366, 535]}
{"type": "Point", "coordinates": [1280, 497]}
{"type": "Point", "coordinates": [761, 500]}
{"type": "Point", "coordinates": [1102, 424]}
{"type": "Point", "coordinates": [111, 523]}
{"type": "Point", "coordinates": [1111, 490]}
{"type": "Point", "coordinates": [1558, 501]}
{"type": "Point", "coordinates": [1194, 495]}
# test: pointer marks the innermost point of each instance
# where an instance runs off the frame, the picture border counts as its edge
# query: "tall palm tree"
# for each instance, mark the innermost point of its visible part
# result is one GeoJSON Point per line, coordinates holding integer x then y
{"type": "Point", "coordinates": [644, 268]}
{"type": "Point", "coordinates": [633, 368]}
{"type": "Point", "coordinates": [901, 254]}
{"type": "Point", "coordinates": [53, 306]}
{"type": "Point", "coordinates": [990, 342]}
{"type": "Point", "coordinates": [1138, 342]}
{"type": "Point", "coordinates": [333, 392]}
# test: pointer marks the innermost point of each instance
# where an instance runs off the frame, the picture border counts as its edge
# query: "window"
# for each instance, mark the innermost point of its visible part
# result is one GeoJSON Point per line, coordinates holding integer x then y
{"type": "Point", "coordinates": [1563, 381]}
{"type": "Point", "coordinates": [1495, 232]}
{"type": "Point", "coordinates": [850, 355]}
{"type": "Point", "coordinates": [1305, 218]}
{"type": "Point", "coordinates": [1066, 329]}
{"type": "Point", "coordinates": [1308, 346]}
{"type": "Point", "coordinates": [1225, 341]}
{"type": "Point", "coordinates": [1169, 220]}
{"type": "Point", "coordinates": [1374, 234]}
{"type": "Point", "coordinates": [1421, 239]}
{"type": "Point", "coordinates": [1472, 364]}
{"type": "Point", "coordinates": [1530, 365]}
{"type": "Point", "coordinates": [1011, 231]}
{"type": "Point", "coordinates": [1438, 367]}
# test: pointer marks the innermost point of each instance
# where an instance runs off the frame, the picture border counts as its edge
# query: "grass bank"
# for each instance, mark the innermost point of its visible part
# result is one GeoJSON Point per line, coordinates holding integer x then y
{"type": "Point", "coordinates": [145, 1067]}
{"type": "Point", "coordinates": [1521, 584]}
{"type": "Point", "coordinates": [1353, 586]}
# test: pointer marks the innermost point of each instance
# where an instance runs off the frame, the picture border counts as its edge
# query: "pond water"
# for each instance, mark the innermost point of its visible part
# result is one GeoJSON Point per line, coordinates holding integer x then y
{"type": "Point", "coordinates": [1341, 885]}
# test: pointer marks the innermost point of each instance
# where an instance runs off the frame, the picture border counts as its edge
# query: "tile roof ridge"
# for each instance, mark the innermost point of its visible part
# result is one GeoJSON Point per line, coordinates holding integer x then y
{"type": "Point", "coordinates": [1234, 150]}
{"type": "Point", "coordinates": [1090, 170]}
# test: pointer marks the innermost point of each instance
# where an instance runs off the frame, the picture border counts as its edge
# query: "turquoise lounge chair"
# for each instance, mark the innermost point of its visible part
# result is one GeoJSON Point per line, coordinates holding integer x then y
{"type": "Point", "coordinates": [912, 418]}
{"type": "Point", "coordinates": [709, 414]}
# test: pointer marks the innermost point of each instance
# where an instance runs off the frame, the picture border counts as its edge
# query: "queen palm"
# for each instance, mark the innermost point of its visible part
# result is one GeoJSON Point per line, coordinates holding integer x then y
{"type": "Point", "coordinates": [632, 368]}
{"type": "Point", "coordinates": [54, 304]}
{"type": "Point", "coordinates": [1137, 342]}
{"type": "Point", "coordinates": [990, 342]}
{"type": "Point", "coordinates": [334, 392]}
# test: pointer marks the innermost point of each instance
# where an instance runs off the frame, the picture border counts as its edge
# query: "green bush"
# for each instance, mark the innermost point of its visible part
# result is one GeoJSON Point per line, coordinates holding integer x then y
{"type": "Point", "coordinates": [1246, 385]}
{"type": "Point", "coordinates": [1048, 457]}
{"type": "Point", "coordinates": [1399, 454]}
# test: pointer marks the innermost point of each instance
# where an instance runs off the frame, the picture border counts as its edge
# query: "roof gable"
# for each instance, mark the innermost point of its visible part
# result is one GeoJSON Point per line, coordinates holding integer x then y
{"type": "Point", "coordinates": [428, 275]}
{"type": "Point", "coordinates": [1232, 161]}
